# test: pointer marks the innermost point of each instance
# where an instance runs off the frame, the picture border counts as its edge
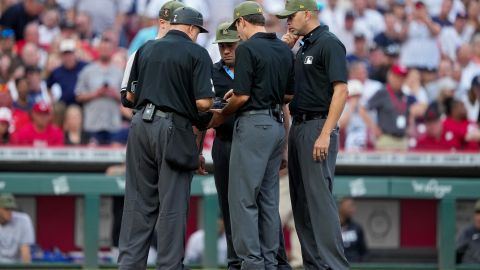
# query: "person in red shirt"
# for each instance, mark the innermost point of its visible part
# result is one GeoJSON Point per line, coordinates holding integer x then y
{"type": "Point", "coordinates": [5, 120]}
{"type": "Point", "coordinates": [459, 133]}
{"type": "Point", "coordinates": [432, 139]}
{"type": "Point", "coordinates": [41, 132]}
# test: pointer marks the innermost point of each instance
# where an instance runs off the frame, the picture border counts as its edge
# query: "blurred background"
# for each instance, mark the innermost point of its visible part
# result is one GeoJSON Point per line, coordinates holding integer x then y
{"type": "Point", "coordinates": [406, 187]}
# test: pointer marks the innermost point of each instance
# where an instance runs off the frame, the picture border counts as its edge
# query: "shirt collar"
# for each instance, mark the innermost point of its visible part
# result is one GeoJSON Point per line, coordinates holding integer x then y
{"type": "Point", "coordinates": [264, 35]}
{"type": "Point", "coordinates": [315, 34]}
{"type": "Point", "coordinates": [219, 65]}
{"type": "Point", "coordinates": [178, 34]}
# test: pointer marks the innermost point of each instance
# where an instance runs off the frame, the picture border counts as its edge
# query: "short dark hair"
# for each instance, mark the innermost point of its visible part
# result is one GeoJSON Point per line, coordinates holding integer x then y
{"type": "Point", "coordinates": [255, 19]}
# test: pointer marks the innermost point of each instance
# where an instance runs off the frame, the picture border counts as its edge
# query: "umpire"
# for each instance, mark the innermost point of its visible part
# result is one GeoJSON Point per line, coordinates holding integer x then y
{"type": "Point", "coordinates": [263, 73]}
{"type": "Point", "coordinates": [172, 76]}
{"type": "Point", "coordinates": [223, 77]}
{"type": "Point", "coordinates": [320, 95]}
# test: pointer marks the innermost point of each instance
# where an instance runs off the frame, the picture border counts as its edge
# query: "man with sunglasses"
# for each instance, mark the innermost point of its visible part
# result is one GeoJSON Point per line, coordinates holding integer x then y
{"type": "Point", "coordinates": [320, 96]}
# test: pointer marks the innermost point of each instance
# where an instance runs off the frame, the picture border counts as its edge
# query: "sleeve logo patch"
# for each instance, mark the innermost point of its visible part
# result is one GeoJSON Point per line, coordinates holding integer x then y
{"type": "Point", "coordinates": [308, 60]}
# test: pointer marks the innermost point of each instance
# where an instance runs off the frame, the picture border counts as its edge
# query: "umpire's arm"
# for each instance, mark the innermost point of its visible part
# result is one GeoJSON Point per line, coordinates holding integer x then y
{"type": "Point", "coordinates": [202, 82]}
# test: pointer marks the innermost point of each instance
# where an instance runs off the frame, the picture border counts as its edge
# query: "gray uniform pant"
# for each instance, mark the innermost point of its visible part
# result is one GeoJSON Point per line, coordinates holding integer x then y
{"type": "Point", "coordinates": [253, 191]}
{"type": "Point", "coordinates": [221, 162]}
{"type": "Point", "coordinates": [314, 207]}
{"type": "Point", "coordinates": [155, 195]}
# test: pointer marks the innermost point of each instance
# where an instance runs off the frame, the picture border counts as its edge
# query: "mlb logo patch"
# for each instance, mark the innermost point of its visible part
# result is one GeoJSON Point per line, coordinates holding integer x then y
{"type": "Point", "coordinates": [308, 60]}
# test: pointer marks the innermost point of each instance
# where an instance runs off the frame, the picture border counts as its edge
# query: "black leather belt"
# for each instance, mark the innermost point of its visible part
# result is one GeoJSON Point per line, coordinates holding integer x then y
{"type": "Point", "coordinates": [254, 112]}
{"type": "Point", "coordinates": [303, 117]}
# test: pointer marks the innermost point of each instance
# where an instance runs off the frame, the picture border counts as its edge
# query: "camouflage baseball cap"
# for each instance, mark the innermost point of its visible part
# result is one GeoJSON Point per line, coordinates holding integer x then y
{"type": "Point", "coordinates": [7, 201]}
{"type": "Point", "coordinates": [293, 6]}
{"type": "Point", "coordinates": [167, 9]}
{"type": "Point", "coordinates": [225, 35]}
{"type": "Point", "coordinates": [244, 9]}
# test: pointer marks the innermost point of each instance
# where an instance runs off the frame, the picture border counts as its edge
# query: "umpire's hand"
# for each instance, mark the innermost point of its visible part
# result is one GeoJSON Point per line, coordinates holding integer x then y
{"type": "Point", "coordinates": [201, 168]}
{"type": "Point", "coordinates": [320, 148]}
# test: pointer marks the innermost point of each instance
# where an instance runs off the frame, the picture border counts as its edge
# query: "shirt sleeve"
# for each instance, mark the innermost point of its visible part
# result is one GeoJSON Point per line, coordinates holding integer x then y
{"type": "Point", "coordinates": [82, 82]}
{"type": "Point", "coordinates": [202, 77]}
{"type": "Point", "coordinates": [127, 72]}
{"type": "Point", "coordinates": [334, 60]}
{"type": "Point", "coordinates": [28, 235]}
{"type": "Point", "coordinates": [242, 84]}
{"type": "Point", "coordinates": [291, 79]}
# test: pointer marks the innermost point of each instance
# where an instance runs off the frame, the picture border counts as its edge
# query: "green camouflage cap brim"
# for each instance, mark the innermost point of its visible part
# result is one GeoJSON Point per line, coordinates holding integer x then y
{"type": "Point", "coordinates": [7, 201]}
{"type": "Point", "coordinates": [225, 35]}
{"type": "Point", "coordinates": [167, 9]}
{"type": "Point", "coordinates": [292, 6]}
{"type": "Point", "coordinates": [244, 9]}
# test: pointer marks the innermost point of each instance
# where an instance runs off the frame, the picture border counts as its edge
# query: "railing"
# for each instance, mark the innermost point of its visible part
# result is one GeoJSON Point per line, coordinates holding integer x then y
{"type": "Point", "coordinates": [93, 186]}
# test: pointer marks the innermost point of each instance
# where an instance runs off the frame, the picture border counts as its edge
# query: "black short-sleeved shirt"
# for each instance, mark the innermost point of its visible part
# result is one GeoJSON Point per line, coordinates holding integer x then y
{"type": "Point", "coordinates": [16, 18]}
{"type": "Point", "coordinates": [263, 71]}
{"type": "Point", "coordinates": [319, 63]}
{"type": "Point", "coordinates": [223, 83]}
{"type": "Point", "coordinates": [172, 73]}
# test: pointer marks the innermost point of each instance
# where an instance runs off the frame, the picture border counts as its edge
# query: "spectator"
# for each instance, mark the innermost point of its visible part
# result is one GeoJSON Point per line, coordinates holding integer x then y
{"type": "Point", "coordinates": [392, 107]}
{"type": "Point", "coordinates": [468, 243]}
{"type": "Point", "coordinates": [83, 26]}
{"type": "Point", "coordinates": [472, 69]}
{"type": "Point", "coordinates": [38, 87]}
{"type": "Point", "coordinates": [7, 42]}
{"type": "Point", "coordinates": [40, 132]}
{"type": "Point", "coordinates": [104, 14]}
{"type": "Point", "coordinates": [391, 35]}
{"type": "Point", "coordinates": [369, 19]}
{"type": "Point", "coordinates": [25, 99]}
{"type": "Point", "coordinates": [452, 37]}
{"type": "Point", "coordinates": [446, 91]}
{"type": "Point", "coordinates": [16, 232]}
{"type": "Point", "coordinates": [360, 50]}
{"type": "Point", "coordinates": [98, 89]}
{"type": "Point", "coordinates": [346, 32]}
{"type": "Point", "coordinates": [351, 121]}
{"type": "Point", "coordinates": [472, 101]}
{"type": "Point", "coordinates": [49, 29]}
{"type": "Point", "coordinates": [458, 132]}
{"type": "Point", "coordinates": [19, 15]}
{"type": "Point", "coordinates": [358, 71]}
{"type": "Point", "coordinates": [420, 50]}
{"type": "Point", "coordinates": [333, 16]}
{"type": "Point", "coordinates": [430, 133]}
{"type": "Point", "coordinates": [354, 242]}
{"type": "Point", "coordinates": [32, 56]}
{"type": "Point", "coordinates": [65, 76]}
{"type": "Point", "coordinates": [5, 122]}
{"type": "Point", "coordinates": [442, 19]}
{"type": "Point", "coordinates": [196, 246]}
{"type": "Point", "coordinates": [72, 127]}
{"type": "Point", "coordinates": [445, 74]}
{"type": "Point", "coordinates": [30, 35]}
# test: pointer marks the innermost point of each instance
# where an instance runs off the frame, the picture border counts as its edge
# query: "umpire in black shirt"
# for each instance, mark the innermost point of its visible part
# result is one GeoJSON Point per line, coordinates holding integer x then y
{"type": "Point", "coordinates": [320, 96]}
{"type": "Point", "coordinates": [263, 74]}
{"type": "Point", "coordinates": [171, 78]}
{"type": "Point", "coordinates": [223, 77]}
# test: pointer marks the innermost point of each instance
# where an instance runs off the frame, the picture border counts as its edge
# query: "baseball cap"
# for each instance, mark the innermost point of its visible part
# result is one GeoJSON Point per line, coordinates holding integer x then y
{"type": "Point", "coordinates": [188, 16]}
{"type": "Point", "coordinates": [461, 15]}
{"type": "Point", "coordinates": [354, 88]}
{"type": "Point", "coordinates": [476, 81]}
{"type": "Point", "coordinates": [292, 6]}
{"type": "Point", "coordinates": [167, 9]}
{"type": "Point", "coordinates": [431, 114]}
{"type": "Point", "coordinates": [41, 107]}
{"type": "Point", "coordinates": [7, 33]}
{"type": "Point", "coordinates": [5, 115]}
{"type": "Point", "coordinates": [68, 45]}
{"type": "Point", "coordinates": [392, 50]}
{"type": "Point", "coordinates": [244, 9]}
{"type": "Point", "coordinates": [7, 201]}
{"type": "Point", "coordinates": [225, 35]}
{"type": "Point", "coordinates": [399, 70]}
{"type": "Point", "coordinates": [477, 207]}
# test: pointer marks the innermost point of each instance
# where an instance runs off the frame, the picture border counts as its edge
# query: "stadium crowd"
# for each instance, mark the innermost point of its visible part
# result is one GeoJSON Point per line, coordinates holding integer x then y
{"type": "Point", "coordinates": [413, 66]}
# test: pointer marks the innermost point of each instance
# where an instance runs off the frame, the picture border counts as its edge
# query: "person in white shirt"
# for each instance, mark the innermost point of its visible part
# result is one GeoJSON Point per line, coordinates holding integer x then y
{"type": "Point", "coordinates": [333, 16]}
{"type": "Point", "coordinates": [16, 232]}
{"type": "Point", "coordinates": [195, 246]}
{"type": "Point", "coordinates": [472, 69]}
{"type": "Point", "coordinates": [452, 37]}
{"type": "Point", "coordinates": [472, 101]}
{"type": "Point", "coordinates": [370, 19]}
{"type": "Point", "coordinates": [49, 29]}
{"type": "Point", "coordinates": [351, 120]}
